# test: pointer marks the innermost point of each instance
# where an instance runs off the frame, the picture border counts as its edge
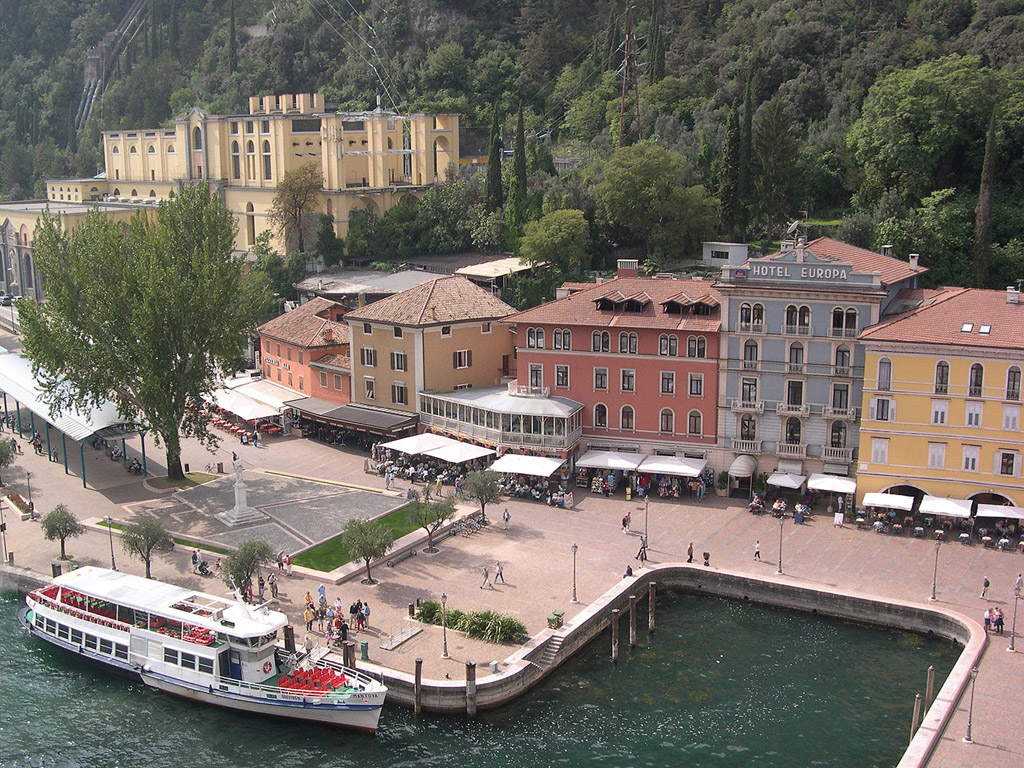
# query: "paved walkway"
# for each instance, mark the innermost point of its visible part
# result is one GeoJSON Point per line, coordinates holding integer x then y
{"type": "Point", "coordinates": [536, 553]}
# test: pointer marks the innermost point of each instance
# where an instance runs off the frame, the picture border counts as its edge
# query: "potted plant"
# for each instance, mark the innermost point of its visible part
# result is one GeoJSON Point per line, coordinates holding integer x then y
{"type": "Point", "coordinates": [722, 484]}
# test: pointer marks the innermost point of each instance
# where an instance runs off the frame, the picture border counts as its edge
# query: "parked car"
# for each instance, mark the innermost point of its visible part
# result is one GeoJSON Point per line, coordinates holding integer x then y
{"type": "Point", "coordinates": [5, 299]}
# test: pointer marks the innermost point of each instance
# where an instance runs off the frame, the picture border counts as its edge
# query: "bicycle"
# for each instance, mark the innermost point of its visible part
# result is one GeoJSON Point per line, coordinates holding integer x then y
{"type": "Point", "coordinates": [210, 469]}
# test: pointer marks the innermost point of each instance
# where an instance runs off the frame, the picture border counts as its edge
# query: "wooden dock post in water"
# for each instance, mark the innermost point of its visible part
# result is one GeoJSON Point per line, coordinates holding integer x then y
{"type": "Point", "coordinates": [471, 688]}
{"type": "Point", "coordinates": [418, 688]}
{"type": "Point", "coordinates": [615, 635]}
{"type": "Point", "coordinates": [632, 621]}
{"type": "Point", "coordinates": [917, 716]}
{"type": "Point", "coordinates": [652, 589]}
{"type": "Point", "coordinates": [929, 691]}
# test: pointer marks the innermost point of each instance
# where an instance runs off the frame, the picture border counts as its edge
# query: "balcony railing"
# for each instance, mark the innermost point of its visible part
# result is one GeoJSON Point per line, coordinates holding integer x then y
{"type": "Point", "coordinates": [841, 370]}
{"type": "Point", "coordinates": [751, 365]}
{"type": "Point", "coordinates": [795, 367]}
{"type": "Point", "coordinates": [793, 410]}
{"type": "Point", "coordinates": [974, 391]}
{"type": "Point", "coordinates": [751, 327]}
{"type": "Point", "coordinates": [1013, 394]}
{"type": "Point", "coordinates": [792, 450]}
{"type": "Point", "coordinates": [522, 390]}
{"type": "Point", "coordinates": [840, 413]}
{"type": "Point", "coordinates": [837, 454]}
{"type": "Point", "coordinates": [746, 446]}
{"type": "Point", "coordinates": [746, 406]}
{"type": "Point", "coordinates": [797, 330]}
{"type": "Point", "coordinates": [843, 333]}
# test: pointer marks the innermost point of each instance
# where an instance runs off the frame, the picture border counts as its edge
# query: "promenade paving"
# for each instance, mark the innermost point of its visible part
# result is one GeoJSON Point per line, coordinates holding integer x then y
{"type": "Point", "coordinates": [536, 553]}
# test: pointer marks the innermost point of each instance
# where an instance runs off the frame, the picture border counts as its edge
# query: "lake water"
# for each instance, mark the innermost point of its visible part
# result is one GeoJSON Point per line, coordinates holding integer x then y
{"type": "Point", "coordinates": [720, 683]}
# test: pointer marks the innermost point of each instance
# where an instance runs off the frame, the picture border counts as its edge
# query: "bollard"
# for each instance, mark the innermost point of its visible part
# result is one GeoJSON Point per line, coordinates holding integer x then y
{"type": "Point", "coordinates": [470, 689]}
{"type": "Point", "coordinates": [417, 703]}
{"type": "Point", "coordinates": [364, 650]}
{"type": "Point", "coordinates": [10, 557]}
{"type": "Point", "coordinates": [929, 691]}
{"type": "Point", "coordinates": [615, 635]}
{"type": "Point", "coordinates": [412, 611]}
{"type": "Point", "coordinates": [917, 716]}
{"type": "Point", "coordinates": [289, 638]}
{"type": "Point", "coordinates": [652, 589]}
{"type": "Point", "coordinates": [349, 654]}
{"type": "Point", "coordinates": [632, 621]}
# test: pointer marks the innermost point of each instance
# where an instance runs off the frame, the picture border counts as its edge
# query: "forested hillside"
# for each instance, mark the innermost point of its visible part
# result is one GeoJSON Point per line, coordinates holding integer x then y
{"type": "Point", "coordinates": [875, 115]}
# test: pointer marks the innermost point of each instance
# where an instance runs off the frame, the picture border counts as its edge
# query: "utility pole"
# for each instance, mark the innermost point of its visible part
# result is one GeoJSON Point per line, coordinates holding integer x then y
{"type": "Point", "coordinates": [630, 75]}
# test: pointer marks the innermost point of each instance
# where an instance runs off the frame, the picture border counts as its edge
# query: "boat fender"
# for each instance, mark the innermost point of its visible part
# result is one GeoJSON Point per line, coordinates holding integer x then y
{"type": "Point", "coordinates": [267, 666]}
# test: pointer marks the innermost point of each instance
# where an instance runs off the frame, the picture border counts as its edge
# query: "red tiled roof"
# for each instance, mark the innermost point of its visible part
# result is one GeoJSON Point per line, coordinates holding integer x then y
{"type": "Point", "coordinates": [580, 308]}
{"type": "Point", "coordinates": [892, 270]}
{"type": "Point", "coordinates": [335, 361]}
{"type": "Point", "coordinates": [303, 326]}
{"type": "Point", "coordinates": [944, 314]}
{"type": "Point", "coordinates": [450, 299]}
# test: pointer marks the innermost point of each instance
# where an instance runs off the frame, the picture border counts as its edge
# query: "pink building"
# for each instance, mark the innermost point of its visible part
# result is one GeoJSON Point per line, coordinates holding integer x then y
{"type": "Point", "coordinates": [640, 354]}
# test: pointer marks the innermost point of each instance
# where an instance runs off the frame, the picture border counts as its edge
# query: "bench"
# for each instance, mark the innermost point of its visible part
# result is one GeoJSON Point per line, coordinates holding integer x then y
{"type": "Point", "coordinates": [555, 619]}
{"type": "Point", "coordinates": [399, 558]}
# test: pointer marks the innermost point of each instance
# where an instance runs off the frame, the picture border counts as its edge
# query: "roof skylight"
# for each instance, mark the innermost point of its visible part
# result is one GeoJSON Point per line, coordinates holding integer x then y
{"type": "Point", "coordinates": [966, 327]}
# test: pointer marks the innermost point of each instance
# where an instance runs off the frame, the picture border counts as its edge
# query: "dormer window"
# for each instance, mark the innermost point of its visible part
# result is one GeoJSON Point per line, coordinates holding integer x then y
{"type": "Point", "coordinates": [605, 304]}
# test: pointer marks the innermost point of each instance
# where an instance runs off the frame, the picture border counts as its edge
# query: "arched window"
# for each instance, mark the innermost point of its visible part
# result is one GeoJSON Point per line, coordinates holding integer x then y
{"type": "Point", "coordinates": [132, 150]}
{"type": "Point", "coordinates": [115, 150]}
{"type": "Point", "coordinates": [844, 323]}
{"type": "Point", "coordinates": [170, 149]}
{"type": "Point", "coordinates": [748, 428]}
{"type": "Point", "coordinates": [562, 339]}
{"type": "Point", "coordinates": [696, 346]}
{"type": "Point", "coordinates": [540, 338]}
{"type": "Point", "coordinates": [837, 435]}
{"type": "Point", "coordinates": [750, 354]}
{"type": "Point", "coordinates": [250, 225]}
{"type": "Point", "coordinates": [941, 377]}
{"type": "Point", "coordinates": [842, 361]}
{"type": "Point", "coordinates": [250, 160]}
{"type": "Point", "coordinates": [884, 374]}
{"type": "Point", "coordinates": [266, 159]}
{"type": "Point", "coordinates": [793, 431]}
{"type": "Point", "coordinates": [796, 356]}
{"type": "Point", "coordinates": [600, 415]}
{"type": "Point", "coordinates": [667, 420]}
{"type": "Point", "coordinates": [117, 192]}
{"type": "Point", "coordinates": [602, 341]}
{"type": "Point", "coordinates": [745, 317]}
{"type": "Point", "coordinates": [804, 320]}
{"type": "Point", "coordinates": [664, 344]}
{"type": "Point", "coordinates": [135, 193]}
{"type": "Point", "coordinates": [626, 417]}
{"type": "Point", "coordinates": [197, 138]}
{"type": "Point", "coordinates": [30, 278]}
{"type": "Point", "coordinates": [851, 322]}
{"type": "Point", "coordinates": [758, 318]}
{"type": "Point", "coordinates": [977, 380]}
{"type": "Point", "coordinates": [1013, 383]}
{"type": "Point", "coordinates": [792, 313]}
{"type": "Point", "coordinates": [236, 161]}
{"type": "Point", "coordinates": [152, 193]}
{"type": "Point", "coordinates": [628, 343]}
{"type": "Point", "coordinates": [151, 150]}
{"type": "Point", "coordinates": [695, 423]}
{"type": "Point", "coordinates": [751, 318]}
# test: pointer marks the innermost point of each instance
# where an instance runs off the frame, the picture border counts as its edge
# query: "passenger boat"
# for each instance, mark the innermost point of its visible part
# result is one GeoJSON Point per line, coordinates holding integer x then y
{"type": "Point", "coordinates": [197, 646]}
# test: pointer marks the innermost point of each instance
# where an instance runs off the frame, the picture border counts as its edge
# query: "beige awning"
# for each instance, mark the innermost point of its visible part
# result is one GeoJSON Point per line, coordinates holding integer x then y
{"type": "Point", "coordinates": [743, 466]}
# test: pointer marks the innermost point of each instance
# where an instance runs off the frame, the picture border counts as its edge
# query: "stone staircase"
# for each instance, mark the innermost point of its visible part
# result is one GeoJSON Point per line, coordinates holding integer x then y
{"type": "Point", "coordinates": [551, 651]}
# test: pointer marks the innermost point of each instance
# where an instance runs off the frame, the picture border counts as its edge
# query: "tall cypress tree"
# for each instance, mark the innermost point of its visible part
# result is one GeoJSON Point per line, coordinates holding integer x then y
{"type": "Point", "coordinates": [743, 162]}
{"type": "Point", "coordinates": [232, 42]}
{"type": "Point", "coordinates": [173, 30]}
{"type": "Point", "coordinates": [519, 164]}
{"type": "Point", "coordinates": [726, 176]}
{"type": "Point", "coordinates": [494, 194]}
{"type": "Point", "coordinates": [983, 211]}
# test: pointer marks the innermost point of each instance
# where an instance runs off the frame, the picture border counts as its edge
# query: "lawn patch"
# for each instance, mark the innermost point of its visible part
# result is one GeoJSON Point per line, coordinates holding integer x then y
{"type": "Point", "coordinates": [333, 554]}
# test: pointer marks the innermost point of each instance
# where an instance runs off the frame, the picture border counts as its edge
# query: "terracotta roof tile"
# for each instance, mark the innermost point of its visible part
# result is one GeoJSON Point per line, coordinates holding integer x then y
{"type": "Point", "coordinates": [581, 308]}
{"type": "Point", "coordinates": [892, 270]}
{"type": "Point", "coordinates": [334, 361]}
{"type": "Point", "coordinates": [943, 317]}
{"type": "Point", "coordinates": [450, 299]}
{"type": "Point", "coordinates": [303, 326]}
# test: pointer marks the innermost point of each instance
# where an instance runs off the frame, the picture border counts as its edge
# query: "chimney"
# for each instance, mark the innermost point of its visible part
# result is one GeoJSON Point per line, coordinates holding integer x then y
{"type": "Point", "coordinates": [915, 259]}
{"type": "Point", "coordinates": [628, 268]}
{"type": "Point", "coordinates": [1012, 295]}
{"type": "Point", "coordinates": [328, 335]}
{"type": "Point", "coordinates": [887, 250]}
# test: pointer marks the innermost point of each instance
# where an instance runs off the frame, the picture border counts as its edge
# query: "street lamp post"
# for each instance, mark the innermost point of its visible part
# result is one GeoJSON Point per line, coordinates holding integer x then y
{"type": "Point", "coordinates": [782, 522]}
{"type": "Point", "coordinates": [1013, 626]}
{"type": "Point", "coordinates": [31, 506]}
{"type": "Point", "coordinates": [110, 534]}
{"type": "Point", "coordinates": [935, 571]}
{"type": "Point", "coordinates": [3, 535]}
{"type": "Point", "coordinates": [970, 710]}
{"type": "Point", "coordinates": [647, 504]}
{"type": "Point", "coordinates": [444, 626]}
{"type": "Point", "coordinates": [574, 550]}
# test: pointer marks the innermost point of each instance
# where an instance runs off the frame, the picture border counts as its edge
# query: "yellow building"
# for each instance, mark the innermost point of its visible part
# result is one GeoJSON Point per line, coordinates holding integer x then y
{"type": "Point", "coordinates": [942, 397]}
{"type": "Point", "coordinates": [439, 336]}
{"type": "Point", "coordinates": [369, 160]}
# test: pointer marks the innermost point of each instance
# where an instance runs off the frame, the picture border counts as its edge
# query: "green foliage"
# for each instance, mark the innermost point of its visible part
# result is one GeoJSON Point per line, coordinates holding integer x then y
{"type": "Point", "coordinates": [329, 246]}
{"type": "Point", "coordinates": [296, 198]}
{"type": "Point", "coordinates": [431, 516]}
{"type": "Point", "coordinates": [8, 452]}
{"type": "Point", "coordinates": [489, 626]}
{"type": "Point", "coordinates": [60, 523]}
{"type": "Point", "coordinates": [281, 274]}
{"type": "Point", "coordinates": [145, 537]}
{"type": "Point", "coordinates": [776, 156]}
{"type": "Point", "coordinates": [367, 540]}
{"type": "Point", "coordinates": [560, 240]}
{"type": "Point", "coordinates": [482, 487]}
{"type": "Point", "coordinates": [494, 197]}
{"type": "Point", "coordinates": [149, 315]}
{"type": "Point", "coordinates": [722, 481]}
{"type": "Point", "coordinates": [241, 565]}
{"type": "Point", "coordinates": [334, 552]}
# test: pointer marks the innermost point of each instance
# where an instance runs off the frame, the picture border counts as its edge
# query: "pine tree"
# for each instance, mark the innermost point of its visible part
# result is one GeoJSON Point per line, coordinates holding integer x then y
{"type": "Point", "coordinates": [727, 172]}
{"type": "Point", "coordinates": [519, 163]}
{"type": "Point", "coordinates": [983, 211]}
{"type": "Point", "coordinates": [232, 42]}
{"type": "Point", "coordinates": [173, 30]}
{"type": "Point", "coordinates": [493, 188]}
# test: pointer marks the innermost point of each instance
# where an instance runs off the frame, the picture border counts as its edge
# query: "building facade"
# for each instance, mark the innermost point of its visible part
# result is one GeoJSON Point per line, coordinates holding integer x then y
{"type": "Point", "coordinates": [942, 398]}
{"type": "Point", "coordinates": [440, 336]}
{"type": "Point", "coordinates": [369, 160]}
{"type": "Point", "coordinates": [639, 354]}
{"type": "Point", "coordinates": [791, 374]}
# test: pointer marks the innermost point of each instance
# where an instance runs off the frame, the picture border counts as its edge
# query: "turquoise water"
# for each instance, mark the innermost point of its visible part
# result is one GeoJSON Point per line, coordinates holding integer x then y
{"type": "Point", "coordinates": [720, 683]}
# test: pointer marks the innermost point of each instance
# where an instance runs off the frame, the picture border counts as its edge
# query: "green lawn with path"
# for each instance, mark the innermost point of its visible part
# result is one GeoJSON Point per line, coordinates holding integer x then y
{"type": "Point", "coordinates": [333, 554]}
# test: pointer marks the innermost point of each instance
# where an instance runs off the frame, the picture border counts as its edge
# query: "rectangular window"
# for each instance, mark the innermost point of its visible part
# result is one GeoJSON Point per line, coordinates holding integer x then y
{"type": "Point", "coordinates": [668, 383]}
{"type": "Point", "coordinates": [337, 381]}
{"type": "Point", "coordinates": [536, 375]}
{"type": "Point", "coordinates": [278, 374]}
{"type": "Point", "coordinates": [940, 411]}
{"type": "Point", "coordinates": [485, 328]}
{"type": "Point", "coordinates": [884, 375]}
{"type": "Point", "coordinates": [278, 350]}
{"type": "Point", "coordinates": [562, 376]}
{"type": "Point", "coordinates": [367, 330]}
{"type": "Point", "coordinates": [841, 397]}
{"type": "Point", "coordinates": [170, 656]}
{"type": "Point", "coordinates": [106, 646]}
{"type": "Point", "coordinates": [1006, 463]}
{"type": "Point", "coordinates": [971, 455]}
{"type": "Point", "coordinates": [302, 383]}
{"type": "Point", "coordinates": [882, 409]}
{"type": "Point", "coordinates": [398, 332]}
{"type": "Point", "coordinates": [188, 660]}
{"type": "Point", "coordinates": [121, 651]}
{"type": "Point", "coordinates": [879, 450]}
{"type": "Point", "coordinates": [368, 382]}
{"type": "Point", "coordinates": [398, 362]}
{"type": "Point", "coordinates": [974, 414]}
{"type": "Point", "coordinates": [601, 379]}
{"type": "Point", "coordinates": [462, 359]}
{"type": "Point", "coordinates": [91, 642]}
{"type": "Point", "coordinates": [300, 357]}
{"type": "Point", "coordinates": [76, 636]}
{"type": "Point", "coordinates": [288, 352]}
{"type": "Point", "coordinates": [696, 385]}
{"type": "Point", "coordinates": [1011, 417]}
{"type": "Point", "coordinates": [628, 380]}
{"type": "Point", "coordinates": [205, 665]}
{"type": "Point", "coordinates": [323, 379]}
{"type": "Point", "coordinates": [446, 331]}
{"type": "Point", "coordinates": [794, 393]}
{"type": "Point", "coordinates": [289, 378]}
{"type": "Point", "coordinates": [936, 455]}
{"type": "Point", "coordinates": [368, 357]}
{"type": "Point", "coordinates": [399, 393]}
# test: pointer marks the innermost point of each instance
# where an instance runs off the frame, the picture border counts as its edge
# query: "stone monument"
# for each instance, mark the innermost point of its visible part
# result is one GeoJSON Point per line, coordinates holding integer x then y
{"type": "Point", "coordinates": [241, 513]}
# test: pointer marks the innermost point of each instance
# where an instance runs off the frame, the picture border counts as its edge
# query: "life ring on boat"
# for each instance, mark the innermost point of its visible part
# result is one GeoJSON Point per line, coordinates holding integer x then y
{"type": "Point", "coordinates": [267, 666]}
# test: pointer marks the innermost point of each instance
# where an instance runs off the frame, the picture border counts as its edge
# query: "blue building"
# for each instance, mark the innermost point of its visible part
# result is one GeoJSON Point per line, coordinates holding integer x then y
{"type": "Point", "coordinates": [791, 370]}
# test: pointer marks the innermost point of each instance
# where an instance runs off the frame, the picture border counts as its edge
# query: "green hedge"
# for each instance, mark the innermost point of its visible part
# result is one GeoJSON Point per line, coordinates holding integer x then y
{"type": "Point", "coordinates": [482, 625]}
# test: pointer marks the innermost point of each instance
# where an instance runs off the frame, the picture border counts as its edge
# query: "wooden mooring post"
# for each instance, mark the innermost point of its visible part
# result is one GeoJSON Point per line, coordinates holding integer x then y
{"type": "Point", "coordinates": [652, 590]}
{"type": "Point", "coordinates": [615, 635]}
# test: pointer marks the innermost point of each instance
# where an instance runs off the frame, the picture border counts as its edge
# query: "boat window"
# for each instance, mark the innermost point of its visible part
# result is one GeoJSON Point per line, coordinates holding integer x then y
{"type": "Point", "coordinates": [206, 665]}
{"type": "Point", "coordinates": [121, 651]}
{"type": "Point", "coordinates": [170, 656]}
{"type": "Point", "coordinates": [188, 660]}
{"type": "Point", "coordinates": [76, 636]}
{"type": "Point", "coordinates": [51, 626]}
{"type": "Point", "coordinates": [91, 642]}
{"type": "Point", "coordinates": [63, 632]}
{"type": "Point", "coordinates": [106, 646]}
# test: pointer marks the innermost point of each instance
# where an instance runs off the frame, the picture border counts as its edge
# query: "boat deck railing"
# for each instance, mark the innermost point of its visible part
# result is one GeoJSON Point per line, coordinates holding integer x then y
{"type": "Point", "coordinates": [70, 610]}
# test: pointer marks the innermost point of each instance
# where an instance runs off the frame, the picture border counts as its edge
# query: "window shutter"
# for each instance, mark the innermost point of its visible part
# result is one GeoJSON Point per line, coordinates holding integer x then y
{"type": "Point", "coordinates": [455, 359]}
{"type": "Point", "coordinates": [469, 358]}
{"type": "Point", "coordinates": [892, 410]}
{"type": "Point", "coordinates": [1016, 465]}
{"type": "Point", "coordinates": [997, 462]}
{"type": "Point", "coordinates": [871, 408]}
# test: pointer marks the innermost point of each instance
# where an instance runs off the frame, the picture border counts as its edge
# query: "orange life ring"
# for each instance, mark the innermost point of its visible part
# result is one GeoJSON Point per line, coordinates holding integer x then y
{"type": "Point", "coordinates": [267, 666]}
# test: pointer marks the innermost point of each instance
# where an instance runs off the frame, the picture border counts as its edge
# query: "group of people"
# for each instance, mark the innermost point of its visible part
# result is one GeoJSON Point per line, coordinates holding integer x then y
{"type": "Point", "coordinates": [994, 620]}
{"type": "Point", "coordinates": [391, 464]}
{"type": "Point", "coordinates": [331, 618]}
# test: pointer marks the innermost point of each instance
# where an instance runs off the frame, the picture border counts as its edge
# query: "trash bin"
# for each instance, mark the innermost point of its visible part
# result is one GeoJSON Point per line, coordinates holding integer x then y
{"type": "Point", "coordinates": [494, 667]}
{"type": "Point", "coordinates": [220, 467]}
{"type": "Point", "coordinates": [55, 569]}
{"type": "Point", "coordinates": [364, 650]}
{"type": "Point", "coordinates": [798, 517]}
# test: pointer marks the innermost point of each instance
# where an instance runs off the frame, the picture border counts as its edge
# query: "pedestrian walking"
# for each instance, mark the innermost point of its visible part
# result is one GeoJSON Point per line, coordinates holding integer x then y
{"type": "Point", "coordinates": [625, 523]}
{"type": "Point", "coordinates": [280, 560]}
{"type": "Point", "coordinates": [288, 564]}
{"type": "Point", "coordinates": [641, 555]}
{"type": "Point", "coordinates": [1018, 584]}
{"type": "Point", "coordinates": [352, 616]}
{"type": "Point", "coordinates": [499, 573]}
{"type": "Point", "coordinates": [272, 582]}
{"type": "Point", "coordinates": [487, 579]}
{"type": "Point", "coordinates": [984, 588]}
{"type": "Point", "coordinates": [308, 615]}
{"type": "Point", "coordinates": [757, 549]}
{"type": "Point", "coordinates": [360, 616]}
{"type": "Point", "coordinates": [426, 493]}
{"type": "Point", "coordinates": [707, 558]}
{"type": "Point", "coordinates": [321, 614]}
{"type": "Point", "coordinates": [988, 620]}
{"type": "Point", "coordinates": [689, 553]}
{"type": "Point", "coordinates": [505, 516]}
